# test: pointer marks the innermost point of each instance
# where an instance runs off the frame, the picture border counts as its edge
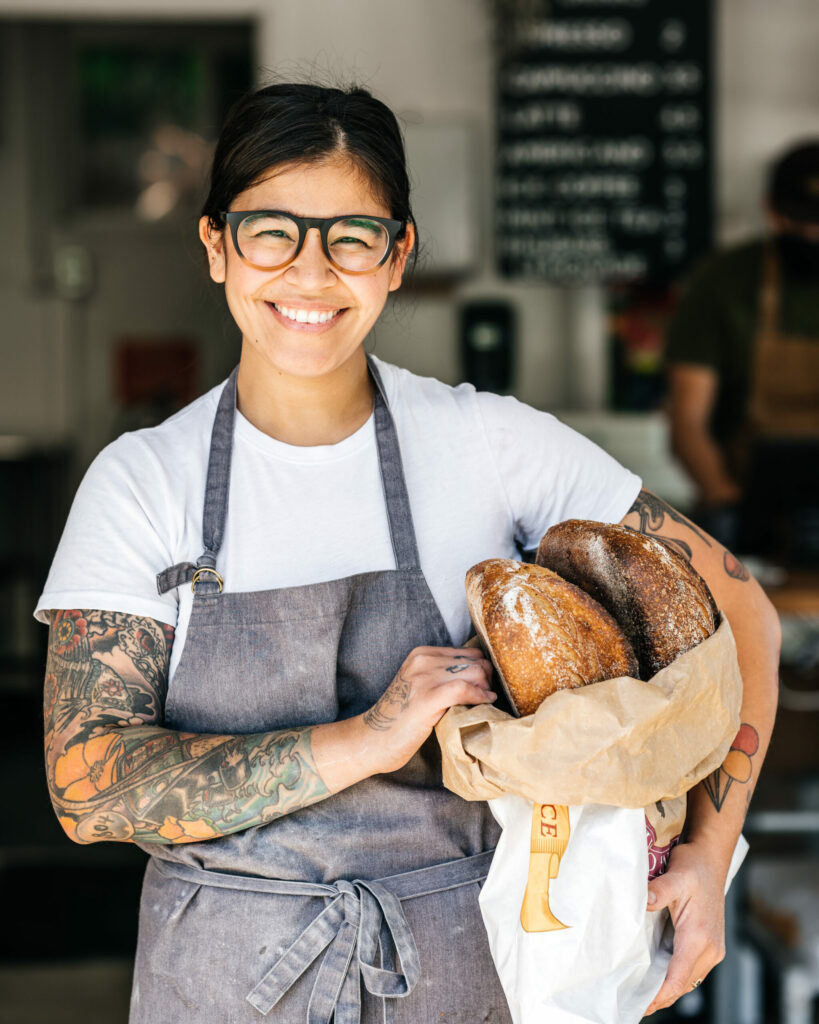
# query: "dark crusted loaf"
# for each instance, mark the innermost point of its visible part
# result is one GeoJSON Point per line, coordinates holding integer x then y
{"type": "Point", "coordinates": [659, 600]}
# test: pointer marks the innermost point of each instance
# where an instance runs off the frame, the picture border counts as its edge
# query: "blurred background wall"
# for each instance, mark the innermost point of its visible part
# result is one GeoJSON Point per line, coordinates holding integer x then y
{"type": "Point", "coordinates": [101, 279]}
{"type": "Point", "coordinates": [433, 62]}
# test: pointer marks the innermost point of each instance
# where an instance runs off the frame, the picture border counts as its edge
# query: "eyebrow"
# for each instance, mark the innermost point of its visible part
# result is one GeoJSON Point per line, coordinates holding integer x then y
{"type": "Point", "coordinates": [361, 221]}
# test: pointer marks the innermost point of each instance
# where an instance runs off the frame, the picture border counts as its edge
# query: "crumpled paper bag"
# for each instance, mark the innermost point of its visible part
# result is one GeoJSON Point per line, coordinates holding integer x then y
{"type": "Point", "coordinates": [616, 758]}
{"type": "Point", "coordinates": [623, 742]}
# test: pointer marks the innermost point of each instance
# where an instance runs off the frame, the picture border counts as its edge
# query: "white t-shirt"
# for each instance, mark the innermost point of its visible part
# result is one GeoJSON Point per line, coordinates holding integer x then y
{"type": "Point", "coordinates": [485, 473]}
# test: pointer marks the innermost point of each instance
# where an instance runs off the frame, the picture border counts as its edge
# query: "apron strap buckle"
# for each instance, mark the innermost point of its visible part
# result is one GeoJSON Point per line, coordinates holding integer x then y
{"type": "Point", "coordinates": [203, 569]}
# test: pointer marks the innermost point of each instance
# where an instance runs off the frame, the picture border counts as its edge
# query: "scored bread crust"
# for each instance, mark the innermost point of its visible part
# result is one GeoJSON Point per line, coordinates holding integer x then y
{"type": "Point", "coordinates": [543, 633]}
{"type": "Point", "coordinates": [661, 602]}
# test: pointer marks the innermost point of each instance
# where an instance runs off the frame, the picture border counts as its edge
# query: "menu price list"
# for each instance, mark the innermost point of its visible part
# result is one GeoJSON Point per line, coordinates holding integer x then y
{"type": "Point", "coordinates": [604, 157]}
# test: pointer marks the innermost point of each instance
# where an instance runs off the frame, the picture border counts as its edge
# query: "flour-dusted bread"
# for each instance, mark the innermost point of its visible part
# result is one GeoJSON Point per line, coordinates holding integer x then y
{"type": "Point", "coordinates": [659, 600]}
{"type": "Point", "coordinates": [542, 633]}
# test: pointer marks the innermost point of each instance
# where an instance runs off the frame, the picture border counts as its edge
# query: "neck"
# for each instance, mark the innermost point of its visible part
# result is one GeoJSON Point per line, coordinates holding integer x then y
{"type": "Point", "coordinates": [305, 411]}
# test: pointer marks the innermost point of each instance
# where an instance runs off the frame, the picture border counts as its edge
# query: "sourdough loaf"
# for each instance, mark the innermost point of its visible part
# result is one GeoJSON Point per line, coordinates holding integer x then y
{"type": "Point", "coordinates": [659, 600]}
{"type": "Point", "coordinates": [542, 632]}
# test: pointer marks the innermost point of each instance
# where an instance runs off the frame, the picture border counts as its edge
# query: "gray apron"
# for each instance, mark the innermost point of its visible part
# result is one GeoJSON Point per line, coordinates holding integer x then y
{"type": "Point", "coordinates": [363, 907]}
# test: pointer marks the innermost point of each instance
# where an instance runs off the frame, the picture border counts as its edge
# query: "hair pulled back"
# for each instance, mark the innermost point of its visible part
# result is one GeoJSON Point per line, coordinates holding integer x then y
{"type": "Point", "coordinates": [289, 123]}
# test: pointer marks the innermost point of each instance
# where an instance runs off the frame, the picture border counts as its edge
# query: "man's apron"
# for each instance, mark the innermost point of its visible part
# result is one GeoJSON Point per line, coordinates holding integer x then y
{"type": "Point", "coordinates": [375, 888]}
{"type": "Point", "coordinates": [784, 396]}
{"type": "Point", "coordinates": [779, 446]}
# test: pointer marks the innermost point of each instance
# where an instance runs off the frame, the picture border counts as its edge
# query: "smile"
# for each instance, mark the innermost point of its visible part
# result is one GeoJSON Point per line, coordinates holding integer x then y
{"type": "Point", "coordinates": [306, 316]}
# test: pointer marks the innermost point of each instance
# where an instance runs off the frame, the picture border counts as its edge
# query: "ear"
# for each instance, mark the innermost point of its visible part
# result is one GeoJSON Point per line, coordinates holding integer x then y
{"type": "Point", "coordinates": [400, 256]}
{"type": "Point", "coordinates": [214, 243]}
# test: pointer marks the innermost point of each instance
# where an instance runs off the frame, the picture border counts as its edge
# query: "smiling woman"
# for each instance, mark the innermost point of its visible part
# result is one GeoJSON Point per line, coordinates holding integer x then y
{"type": "Point", "coordinates": [315, 245]}
{"type": "Point", "coordinates": [307, 310]}
{"type": "Point", "coordinates": [266, 732]}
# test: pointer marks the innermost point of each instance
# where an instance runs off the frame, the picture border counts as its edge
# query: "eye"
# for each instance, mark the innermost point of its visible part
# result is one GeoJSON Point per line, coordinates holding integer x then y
{"type": "Point", "coordinates": [264, 226]}
{"type": "Point", "coordinates": [358, 231]}
{"type": "Point", "coordinates": [348, 240]}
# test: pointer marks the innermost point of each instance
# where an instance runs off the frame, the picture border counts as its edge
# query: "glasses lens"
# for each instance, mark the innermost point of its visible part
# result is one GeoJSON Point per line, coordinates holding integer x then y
{"type": "Point", "coordinates": [358, 243]}
{"type": "Point", "coordinates": [268, 240]}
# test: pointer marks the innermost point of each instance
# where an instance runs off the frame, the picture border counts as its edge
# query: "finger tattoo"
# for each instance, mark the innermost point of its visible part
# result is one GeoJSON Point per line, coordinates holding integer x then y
{"type": "Point", "coordinates": [455, 668]}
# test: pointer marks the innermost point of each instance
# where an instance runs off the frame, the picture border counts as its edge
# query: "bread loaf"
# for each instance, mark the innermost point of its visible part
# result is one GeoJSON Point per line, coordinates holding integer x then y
{"type": "Point", "coordinates": [659, 600]}
{"type": "Point", "coordinates": [542, 633]}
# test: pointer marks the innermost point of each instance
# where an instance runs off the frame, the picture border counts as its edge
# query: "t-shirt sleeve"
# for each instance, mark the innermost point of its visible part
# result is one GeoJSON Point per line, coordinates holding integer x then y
{"type": "Point", "coordinates": [696, 329]}
{"type": "Point", "coordinates": [116, 539]}
{"type": "Point", "coordinates": [548, 472]}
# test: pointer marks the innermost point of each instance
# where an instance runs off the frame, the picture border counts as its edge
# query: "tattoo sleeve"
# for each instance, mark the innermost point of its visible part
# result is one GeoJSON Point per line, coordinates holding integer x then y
{"type": "Point", "coordinates": [114, 773]}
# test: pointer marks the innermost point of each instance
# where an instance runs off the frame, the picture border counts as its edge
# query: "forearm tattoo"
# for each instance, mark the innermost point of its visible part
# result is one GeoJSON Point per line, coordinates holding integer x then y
{"type": "Point", "coordinates": [656, 515]}
{"type": "Point", "coordinates": [737, 767]}
{"type": "Point", "coordinates": [114, 773]}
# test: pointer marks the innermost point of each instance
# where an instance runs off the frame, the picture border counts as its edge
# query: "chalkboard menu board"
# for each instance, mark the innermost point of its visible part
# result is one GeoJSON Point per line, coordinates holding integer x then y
{"type": "Point", "coordinates": [604, 125]}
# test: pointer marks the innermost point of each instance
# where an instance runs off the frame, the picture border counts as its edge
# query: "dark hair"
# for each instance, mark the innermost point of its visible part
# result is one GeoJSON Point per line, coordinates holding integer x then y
{"type": "Point", "coordinates": [793, 183]}
{"type": "Point", "coordinates": [303, 123]}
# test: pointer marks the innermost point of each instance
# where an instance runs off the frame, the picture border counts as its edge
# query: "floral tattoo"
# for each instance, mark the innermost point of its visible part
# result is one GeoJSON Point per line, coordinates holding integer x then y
{"type": "Point", "coordinates": [736, 767]}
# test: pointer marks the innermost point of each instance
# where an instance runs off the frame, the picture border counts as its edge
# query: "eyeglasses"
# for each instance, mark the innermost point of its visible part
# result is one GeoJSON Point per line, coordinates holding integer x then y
{"type": "Point", "coordinates": [270, 239]}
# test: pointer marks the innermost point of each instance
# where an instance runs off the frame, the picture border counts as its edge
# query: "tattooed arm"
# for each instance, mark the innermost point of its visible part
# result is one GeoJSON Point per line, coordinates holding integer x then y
{"type": "Point", "coordinates": [694, 885]}
{"type": "Point", "coordinates": [114, 773]}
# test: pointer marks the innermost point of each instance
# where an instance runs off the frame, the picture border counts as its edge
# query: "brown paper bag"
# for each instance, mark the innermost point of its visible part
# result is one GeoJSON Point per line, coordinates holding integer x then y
{"type": "Point", "coordinates": [624, 742]}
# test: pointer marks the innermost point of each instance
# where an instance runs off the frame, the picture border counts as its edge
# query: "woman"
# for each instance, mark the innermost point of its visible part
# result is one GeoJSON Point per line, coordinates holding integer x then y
{"type": "Point", "coordinates": [265, 732]}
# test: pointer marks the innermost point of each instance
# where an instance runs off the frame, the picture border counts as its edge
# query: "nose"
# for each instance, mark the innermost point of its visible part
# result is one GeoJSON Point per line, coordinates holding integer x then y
{"type": "Point", "coordinates": [311, 266]}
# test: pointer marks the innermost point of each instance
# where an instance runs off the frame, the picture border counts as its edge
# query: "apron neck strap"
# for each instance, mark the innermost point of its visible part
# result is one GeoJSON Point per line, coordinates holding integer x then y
{"type": "Point", "coordinates": [396, 497]}
{"type": "Point", "coordinates": [214, 514]}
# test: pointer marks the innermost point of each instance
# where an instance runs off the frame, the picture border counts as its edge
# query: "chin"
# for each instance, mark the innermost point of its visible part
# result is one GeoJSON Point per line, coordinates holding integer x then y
{"type": "Point", "coordinates": [300, 359]}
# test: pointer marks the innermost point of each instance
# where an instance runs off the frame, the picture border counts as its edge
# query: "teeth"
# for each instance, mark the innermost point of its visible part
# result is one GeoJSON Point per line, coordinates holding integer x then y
{"type": "Point", "coordinates": [307, 316]}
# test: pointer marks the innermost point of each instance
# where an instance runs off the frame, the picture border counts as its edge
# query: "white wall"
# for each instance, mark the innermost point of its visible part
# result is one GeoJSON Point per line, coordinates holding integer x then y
{"type": "Point", "coordinates": [767, 96]}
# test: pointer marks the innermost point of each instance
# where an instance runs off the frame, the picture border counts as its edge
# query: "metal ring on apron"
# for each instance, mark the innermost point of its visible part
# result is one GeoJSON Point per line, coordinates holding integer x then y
{"type": "Point", "coordinates": [213, 572]}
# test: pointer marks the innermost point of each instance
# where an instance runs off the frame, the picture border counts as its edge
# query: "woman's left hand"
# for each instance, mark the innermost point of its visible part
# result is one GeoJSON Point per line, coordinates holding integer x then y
{"type": "Point", "coordinates": [693, 889]}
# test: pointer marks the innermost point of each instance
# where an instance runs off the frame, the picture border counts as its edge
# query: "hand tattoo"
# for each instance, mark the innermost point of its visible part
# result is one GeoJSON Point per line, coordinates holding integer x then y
{"type": "Point", "coordinates": [389, 705]}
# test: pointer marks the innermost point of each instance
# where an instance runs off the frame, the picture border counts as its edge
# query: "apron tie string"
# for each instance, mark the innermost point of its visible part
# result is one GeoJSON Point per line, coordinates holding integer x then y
{"type": "Point", "coordinates": [350, 928]}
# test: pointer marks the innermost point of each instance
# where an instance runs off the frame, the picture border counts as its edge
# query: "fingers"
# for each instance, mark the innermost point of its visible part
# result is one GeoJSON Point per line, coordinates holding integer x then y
{"type": "Point", "coordinates": [679, 979]}
{"type": "Point", "coordinates": [696, 952]}
{"type": "Point", "coordinates": [662, 892]}
{"type": "Point", "coordinates": [445, 676]}
{"type": "Point", "coordinates": [462, 683]}
{"type": "Point", "coordinates": [685, 973]}
{"type": "Point", "coordinates": [450, 652]}
{"type": "Point", "coordinates": [698, 926]}
{"type": "Point", "coordinates": [447, 662]}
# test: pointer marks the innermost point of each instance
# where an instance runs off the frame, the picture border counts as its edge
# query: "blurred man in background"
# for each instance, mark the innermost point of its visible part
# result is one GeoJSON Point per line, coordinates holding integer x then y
{"type": "Point", "coordinates": [743, 361]}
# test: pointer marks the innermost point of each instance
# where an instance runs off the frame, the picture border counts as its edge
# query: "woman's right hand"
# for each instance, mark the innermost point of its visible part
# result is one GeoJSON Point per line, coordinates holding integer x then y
{"type": "Point", "coordinates": [431, 680]}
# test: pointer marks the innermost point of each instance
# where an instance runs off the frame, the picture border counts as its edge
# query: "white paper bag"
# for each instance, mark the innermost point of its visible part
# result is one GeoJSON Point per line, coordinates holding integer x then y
{"type": "Point", "coordinates": [608, 962]}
